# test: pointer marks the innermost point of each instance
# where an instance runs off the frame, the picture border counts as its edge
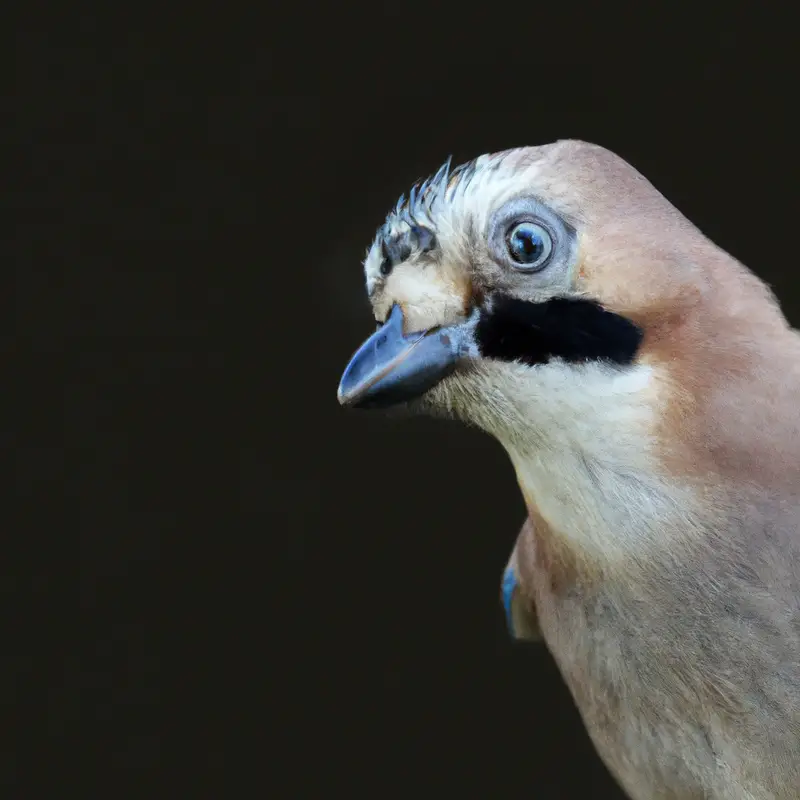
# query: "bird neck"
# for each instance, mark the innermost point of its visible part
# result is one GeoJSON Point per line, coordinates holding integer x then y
{"type": "Point", "coordinates": [584, 451]}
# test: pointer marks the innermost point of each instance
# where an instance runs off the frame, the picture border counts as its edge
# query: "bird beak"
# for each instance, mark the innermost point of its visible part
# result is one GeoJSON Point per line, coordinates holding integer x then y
{"type": "Point", "coordinates": [390, 367]}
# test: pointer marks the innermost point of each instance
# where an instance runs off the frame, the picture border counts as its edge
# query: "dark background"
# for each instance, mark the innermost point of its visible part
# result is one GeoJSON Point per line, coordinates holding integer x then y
{"type": "Point", "coordinates": [278, 596]}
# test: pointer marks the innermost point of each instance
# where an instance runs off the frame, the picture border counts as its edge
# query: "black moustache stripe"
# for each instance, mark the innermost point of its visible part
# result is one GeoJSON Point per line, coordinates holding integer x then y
{"type": "Point", "coordinates": [572, 329]}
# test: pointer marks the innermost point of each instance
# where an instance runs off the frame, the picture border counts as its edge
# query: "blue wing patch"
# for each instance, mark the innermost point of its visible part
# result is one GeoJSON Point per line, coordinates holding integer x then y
{"type": "Point", "coordinates": [509, 584]}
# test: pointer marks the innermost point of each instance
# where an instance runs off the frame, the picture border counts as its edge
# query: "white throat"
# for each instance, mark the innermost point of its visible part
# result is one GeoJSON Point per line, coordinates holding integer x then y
{"type": "Point", "coordinates": [581, 441]}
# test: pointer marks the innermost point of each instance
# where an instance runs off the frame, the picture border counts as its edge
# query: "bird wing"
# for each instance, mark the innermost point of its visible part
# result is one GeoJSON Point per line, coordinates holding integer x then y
{"type": "Point", "coordinates": [521, 618]}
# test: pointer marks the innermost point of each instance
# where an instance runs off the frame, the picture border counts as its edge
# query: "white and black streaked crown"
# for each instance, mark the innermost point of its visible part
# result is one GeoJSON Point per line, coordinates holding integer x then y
{"type": "Point", "coordinates": [412, 224]}
{"type": "Point", "coordinates": [417, 223]}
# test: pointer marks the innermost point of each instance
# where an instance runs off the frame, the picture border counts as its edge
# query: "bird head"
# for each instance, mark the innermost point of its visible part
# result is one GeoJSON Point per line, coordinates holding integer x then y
{"type": "Point", "coordinates": [553, 297]}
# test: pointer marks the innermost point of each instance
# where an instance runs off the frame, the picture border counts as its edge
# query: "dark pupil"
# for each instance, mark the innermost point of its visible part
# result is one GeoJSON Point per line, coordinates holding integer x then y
{"type": "Point", "coordinates": [527, 245]}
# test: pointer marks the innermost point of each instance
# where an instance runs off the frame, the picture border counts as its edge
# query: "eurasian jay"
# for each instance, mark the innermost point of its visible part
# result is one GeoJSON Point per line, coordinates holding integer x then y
{"type": "Point", "coordinates": [646, 387]}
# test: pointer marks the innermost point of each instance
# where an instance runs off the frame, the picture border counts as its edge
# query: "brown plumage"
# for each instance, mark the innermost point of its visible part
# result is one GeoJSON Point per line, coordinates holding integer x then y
{"type": "Point", "coordinates": [661, 559]}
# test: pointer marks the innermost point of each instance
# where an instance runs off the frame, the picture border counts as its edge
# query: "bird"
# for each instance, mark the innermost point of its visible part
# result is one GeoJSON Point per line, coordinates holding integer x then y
{"type": "Point", "coordinates": [644, 384]}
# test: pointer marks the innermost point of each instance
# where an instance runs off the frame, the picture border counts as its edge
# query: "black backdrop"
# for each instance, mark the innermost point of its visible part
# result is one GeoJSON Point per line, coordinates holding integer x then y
{"type": "Point", "coordinates": [278, 596]}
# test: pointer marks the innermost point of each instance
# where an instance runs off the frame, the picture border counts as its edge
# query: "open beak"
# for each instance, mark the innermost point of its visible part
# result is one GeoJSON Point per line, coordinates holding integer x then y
{"type": "Point", "coordinates": [390, 367]}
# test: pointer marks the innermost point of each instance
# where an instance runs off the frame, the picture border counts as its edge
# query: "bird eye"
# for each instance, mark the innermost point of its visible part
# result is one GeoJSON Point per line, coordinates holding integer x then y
{"type": "Point", "coordinates": [529, 245]}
